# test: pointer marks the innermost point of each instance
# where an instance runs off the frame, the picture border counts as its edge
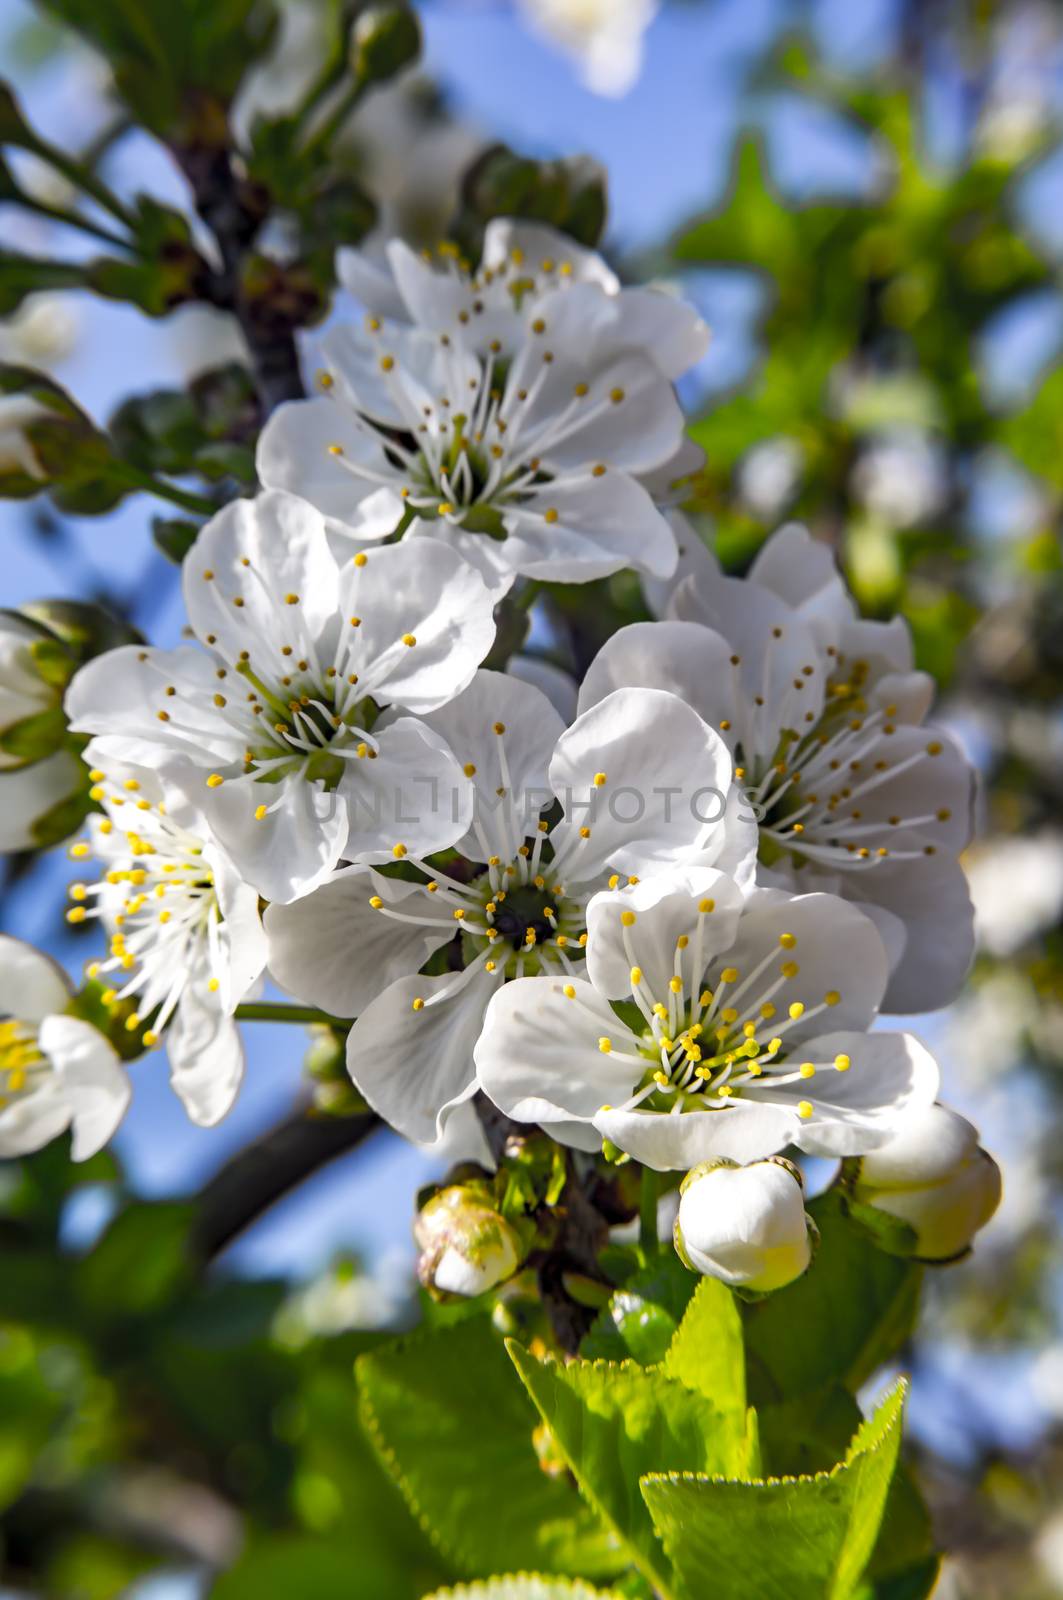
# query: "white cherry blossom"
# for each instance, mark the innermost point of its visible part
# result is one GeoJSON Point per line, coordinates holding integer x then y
{"type": "Point", "coordinates": [637, 783]}
{"type": "Point", "coordinates": [522, 266]}
{"type": "Point", "coordinates": [524, 462]}
{"type": "Point", "coordinates": [185, 939]}
{"type": "Point", "coordinates": [824, 714]}
{"type": "Point", "coordinates": [709, 1024]}
{"type": "Point", "coordinates": [286, 730]}
{"type": "Point", "coordinates": [603, 37]}
{"type": "Point", "coordinates": [56, 1071]}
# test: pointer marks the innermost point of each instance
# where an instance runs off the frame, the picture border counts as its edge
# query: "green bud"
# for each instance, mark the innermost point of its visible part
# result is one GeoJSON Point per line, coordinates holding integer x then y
{"type": "Point", "coordinates": [385, 39]}
{"type": "Point", "coordinates": [467, 1248]}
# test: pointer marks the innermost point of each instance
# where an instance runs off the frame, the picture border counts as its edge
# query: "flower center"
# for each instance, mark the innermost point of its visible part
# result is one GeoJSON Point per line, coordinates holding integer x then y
{"type": "Point", "coordinates": [20, 1057]}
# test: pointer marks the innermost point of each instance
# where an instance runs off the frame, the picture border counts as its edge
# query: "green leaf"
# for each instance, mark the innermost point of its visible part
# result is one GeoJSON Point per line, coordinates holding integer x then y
{"type": "Point", "coordinates": [614, 1422]}
{"type": "Point", "coordinates": [708, 1352]}
{"type": "Point", "coordinates": [523, 1586]}
{"type": "Point", "coordinates": [424, 1401]}
{"type": "Point", "coordinates": [852, 1310]}
{"type": "Point", "coordinates": [174, 536]}
{"type": "Point", "coordinates": [139, 1265]}
{"type": "Point", "coordinates": [812, 1537]}
{"type": "Point", "coordinates": [643, 1315]}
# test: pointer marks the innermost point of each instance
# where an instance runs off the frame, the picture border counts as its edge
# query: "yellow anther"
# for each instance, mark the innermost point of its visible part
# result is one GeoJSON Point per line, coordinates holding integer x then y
{"type": "Point", "coordinates": [676, 985]}
{"type": "Point", "coordinates": [360, 559]}
{"type": "Point", "coordinates": [616, 396]}
{"type": "Point", "coordinates": [386, 363]}
{"type": "Point", "coordinates": [796, 1010]}
{"type": "Point", "coordinates": [418, 1004]}
{"type": "Point", "coordinates": [636, 975]}
{"type": "Point", "coordinates": [151, 1038]}
{"type": "Point", "coordinates": [409, 640]}
{"type": "Point", "coordinates": [214, 985]}
{"type": "Point", "coordinates": [831, 998]}
{"type": "Point", "coordinates": [789, 969]}
{"type": "Point", "coordinates": [706, 906]}
{"type": "Point", "coordinates": [398, 851]}
{"type": "Point", "coordinates": [599, 779]}
{"type": "Point", "coordinates": [807, 1069]}
{"type": "Point", "coordinates": [842, 1063]}
{"type": "Point", "coordinates": [490, 966]}
{"type": "Point", "coordinates": [729, 1014]}
{"type": "Point", "coordinates": [569, 991]}
{"type": "Point", "coordinates": [729, 975]}
{"type": "Point", "coordinates": [628, 919]}
{"type": "Point", "coordinates": [132, 1022]}
{"type": "Point", "coordinates": [585, 833]}
{"type": "Point", "coordinates": [260, 812]}
{"type": "Point", "coordinates": [469, 769]}
{"type": "Point", "coordinates": [550, 514]}
{"type": "Point", "coordinates": [787, 940]}
{"type": "Point", "coordinates": [215, 780]}
{"type": "Point", "coordinates": [109, 996]}
{"type": "Point", "coordinates": [804, 1109]}
{"type": "Point", "coordinates": [605, 1045]}
{"type": "Point", "coordinates": [77, 891]}
{"type": "Point", "coordinates": [375, 901]}
{"type": "Point", "coordinates": [76, 914]}
{"type": "Point", "coordinates": [96, 775]}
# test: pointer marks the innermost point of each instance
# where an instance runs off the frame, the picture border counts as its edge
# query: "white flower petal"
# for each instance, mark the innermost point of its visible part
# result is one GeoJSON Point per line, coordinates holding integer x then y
{"type": "Point", "coordinates": [416, 1066]}
{"type": "Point", "coordinates": [425, 593]}
{"type": "Point", "coordinates": [90, 1080]}
{"type": "Point", "coordinates": [291, 848]}
{"type": "Point", "coordinates": [891, 1076]}
{"type": "Point", "coordinates": [295, 453]}
{"type": "Point", "coordinates": [668, 328]}
{"type": "Point", "coordinates": [516, 760]}
{"type": "Point", "coordinates": [123, 692]}
{"type": "Point", "coordinates": [539, 1056]}
{"type": "Point", "coordinates": [413, 795]}
{"type": "Point", "coordinates": [536, 243]}
{"type": "Point", "coordinates": [243, 938]}
{"type": "Point", "coordinates": [582, 527]}
{"type": "Point", "coordinates": [206, 1057]}
{"type": "Point", "coordinates": [802, 572]}
{"type": "Point", "coordinates": [371, 281]}
{"type": "Point", "coordinates": [743, 1132]}
{"type": "Point", "coordinates": [696, 560]}
{"type": "Point", "coordinates": [684, 658]}
{"type": "Point", "coordinates": [32, 985]}
{"type": "Point", "coordinates": [667, 775]}
{"type": "Point", "coordinates": [331, 949]}
{"type": "Point", "coordinates": [665, 909]}
{"type": "Point", "coordinates": [780, 663]}
{"type": "Point", "coordinates": [558, 686]}
{"type": "Point", "coordinates": [271, 555]}
{"type": "Point", "coordinates": [931, 897]}
{"type": "Point", "coordinates": [837, 950]}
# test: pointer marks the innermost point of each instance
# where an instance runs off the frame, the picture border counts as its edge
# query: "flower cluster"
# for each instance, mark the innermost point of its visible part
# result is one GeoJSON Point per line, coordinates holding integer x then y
{"type": "Point", "coordinates": [662, 926]}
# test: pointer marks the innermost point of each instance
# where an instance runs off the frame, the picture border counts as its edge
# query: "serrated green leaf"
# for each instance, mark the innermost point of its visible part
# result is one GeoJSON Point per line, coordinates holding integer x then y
{"type": "Point", "coordinates": [708, 1352]}
{"type": "Point", "coordinates": [614, 1422]}
{"type": "Point", "coordinates": [812, 1537]}
{"type": "Point", "coordinates": [424, 1401]}
{"type": "Point", "coordinates": [851, 1311]}
{"type": "Point", "coordinates": [523, 1586]}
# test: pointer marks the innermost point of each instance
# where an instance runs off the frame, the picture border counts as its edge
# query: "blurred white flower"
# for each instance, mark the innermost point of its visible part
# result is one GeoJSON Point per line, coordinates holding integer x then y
{"type": "Point", "coordinates": [604, 37]}
{"type": "Point", "coordinates": [41, 333]}
{"type": "Point", "coordinates": [56, 1072]}
{"type": "Point", "coordinates": [900, 477]}
{"type": "Point", "coordinates": [768, 477]}
{"type": "Point", "coordinates": [186, 942]}
{"type": "Point", "coordinates": [1017, 889]}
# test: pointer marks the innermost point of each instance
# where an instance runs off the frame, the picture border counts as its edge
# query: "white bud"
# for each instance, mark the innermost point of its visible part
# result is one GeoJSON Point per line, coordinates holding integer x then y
{"type": "Point", "coordinates": [466, 1247]}
{"type": "Point", "coordinates": [17, 455]}
{"type": "Point", "coordinates": [745, 1225]}
{"type": "Point", "coordinates": [935, 1176]}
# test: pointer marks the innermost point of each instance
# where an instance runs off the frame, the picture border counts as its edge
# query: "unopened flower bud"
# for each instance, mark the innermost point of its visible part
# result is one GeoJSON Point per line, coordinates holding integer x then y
{"type": "Point", "coordinates": [19, 460]}
{"type": "Point", "coordinates": [385, 39]}
{"type": "Point", "coordinates": [744, 1225]}
{"type": "Point", "coordinates": [934, 1176]}
{"type": "Point", "coordinates": [466, 1246]}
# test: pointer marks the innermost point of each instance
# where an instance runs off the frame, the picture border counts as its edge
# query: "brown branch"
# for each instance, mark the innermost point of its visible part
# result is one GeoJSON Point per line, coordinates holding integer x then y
{"type": "Point", "coordinates": [264, 1172]}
